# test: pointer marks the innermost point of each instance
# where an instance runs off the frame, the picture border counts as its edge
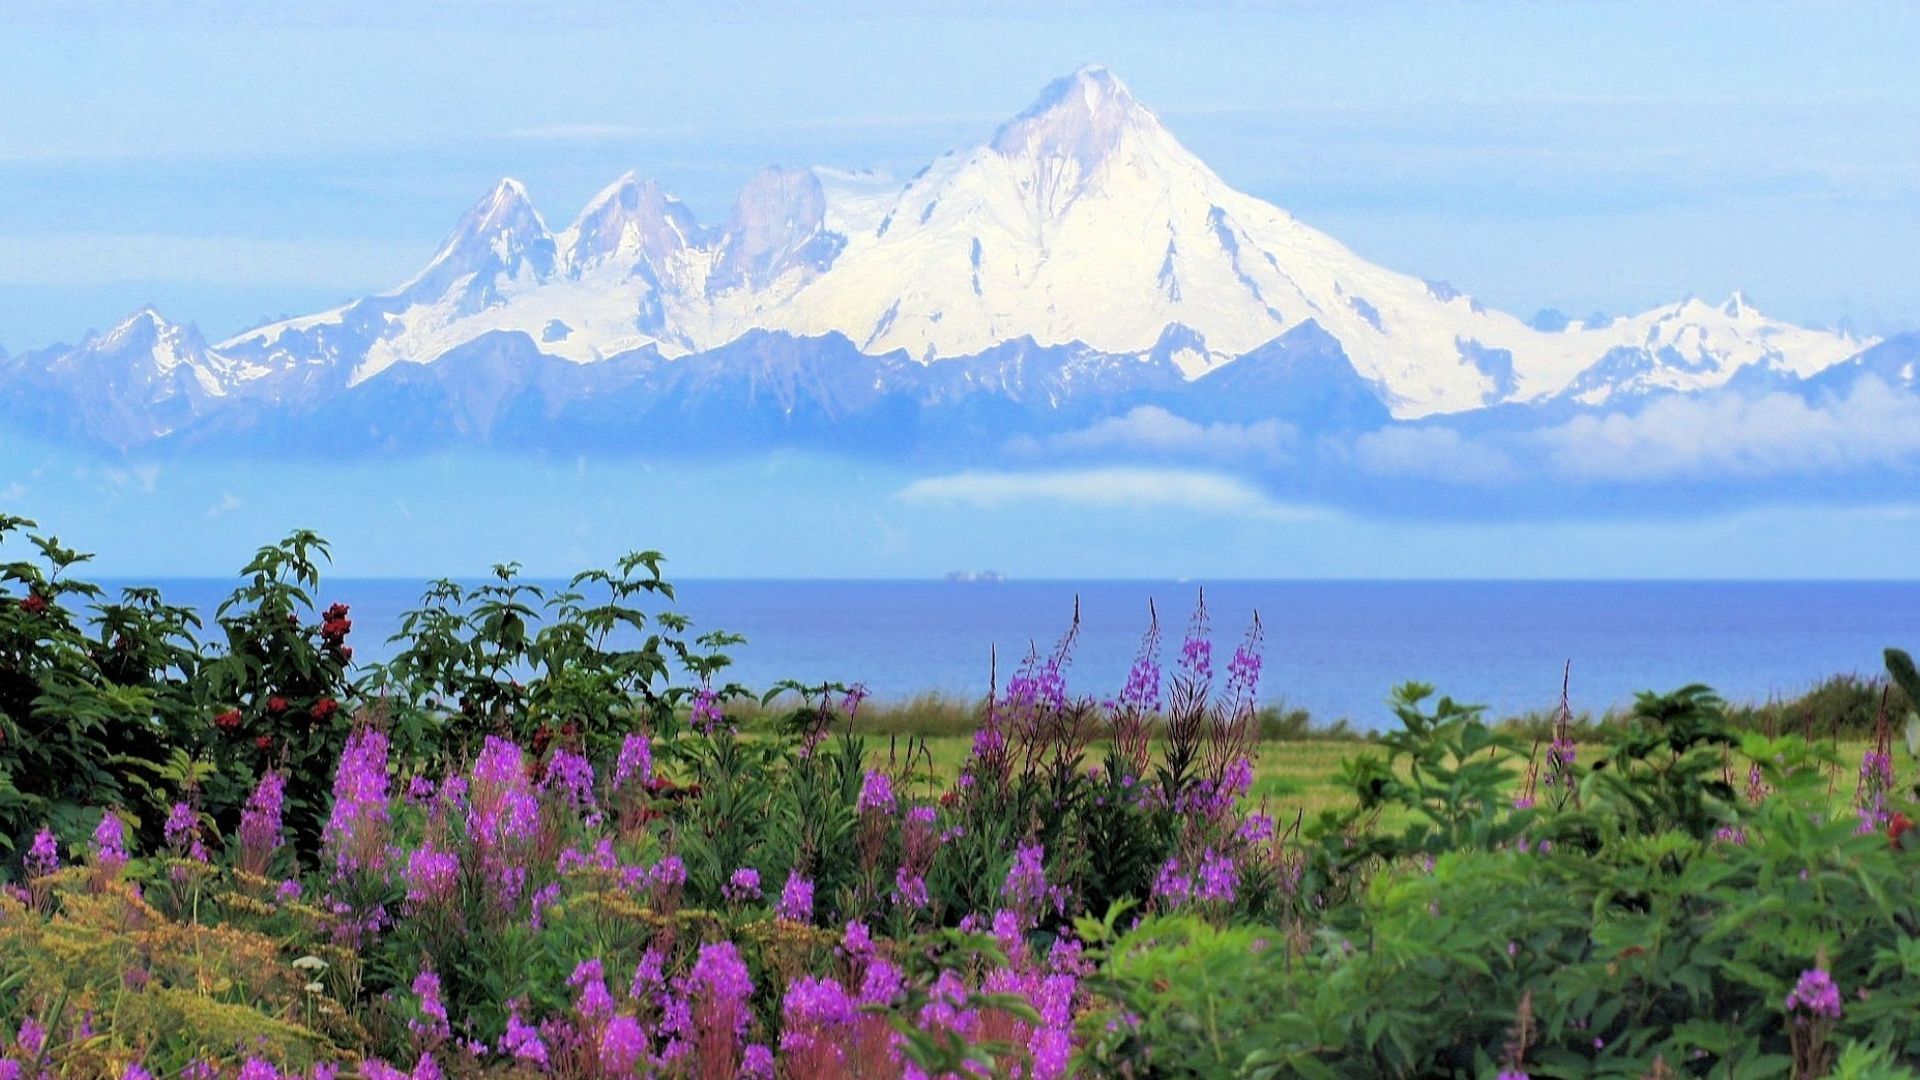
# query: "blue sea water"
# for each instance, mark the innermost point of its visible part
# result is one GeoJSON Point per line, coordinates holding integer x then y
{"type": "Point", "coordinates": [1335, 648]}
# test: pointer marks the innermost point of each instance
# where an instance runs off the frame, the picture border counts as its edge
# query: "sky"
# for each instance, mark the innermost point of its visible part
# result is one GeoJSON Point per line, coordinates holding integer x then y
{"type": "Point", "coordinates": [228, 164]}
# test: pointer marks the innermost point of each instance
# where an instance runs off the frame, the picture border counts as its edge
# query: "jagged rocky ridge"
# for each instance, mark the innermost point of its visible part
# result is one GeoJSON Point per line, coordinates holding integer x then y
{"type": "Point", "coordinates": [1078, 264]}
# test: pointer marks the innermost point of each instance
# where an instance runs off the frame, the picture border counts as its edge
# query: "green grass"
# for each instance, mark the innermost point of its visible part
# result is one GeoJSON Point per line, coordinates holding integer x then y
{"type": "Point", "coordinates": [1295, 776]}
{"type": "Point", "coordinates": [1297, 766]}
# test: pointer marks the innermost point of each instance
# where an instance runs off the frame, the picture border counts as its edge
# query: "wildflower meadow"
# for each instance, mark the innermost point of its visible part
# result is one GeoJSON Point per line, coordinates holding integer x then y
{"type": "Point", "coordinates": [548, 838]}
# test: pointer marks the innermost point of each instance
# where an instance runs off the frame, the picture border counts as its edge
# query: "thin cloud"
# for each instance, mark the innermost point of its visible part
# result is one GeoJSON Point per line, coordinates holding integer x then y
{"type": "Point", "coordinates": [80, 259]}
{"type": "Point", "coordinates": [1733, 436]}
{"type": "Point", "coordinates": [589, 131]}
{"type": "Point", "coordinates": [1152, 430]}
{"type": "Point", "coordinates": [1432, 453]}
{"type": "Point", "coordinates": [1111, 488]}
{"type": "Point", "coordinates": [597, 132]}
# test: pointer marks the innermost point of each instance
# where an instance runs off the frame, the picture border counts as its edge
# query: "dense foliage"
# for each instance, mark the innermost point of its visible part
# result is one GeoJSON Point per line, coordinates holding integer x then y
{"type": "Point", "coordinates": [539, 842]}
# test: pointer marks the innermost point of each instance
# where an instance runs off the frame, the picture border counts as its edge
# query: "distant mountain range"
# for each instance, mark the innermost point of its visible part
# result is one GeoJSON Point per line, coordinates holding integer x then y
{"type": "Point", "coordinates": [1079, 264]}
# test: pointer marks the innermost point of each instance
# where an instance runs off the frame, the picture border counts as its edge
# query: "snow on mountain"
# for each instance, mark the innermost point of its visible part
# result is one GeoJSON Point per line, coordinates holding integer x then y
{"type": "Point", "coordinates": [1081, 224]}
{"type": "Point", "coordinates": [143, 379]}
{"type": "Point", "coordinates": [1694, 345]}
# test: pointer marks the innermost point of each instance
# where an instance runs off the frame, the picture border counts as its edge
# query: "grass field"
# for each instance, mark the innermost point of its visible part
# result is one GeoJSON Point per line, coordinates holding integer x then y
{"type": "Point", "coordinates": [1290, 776]}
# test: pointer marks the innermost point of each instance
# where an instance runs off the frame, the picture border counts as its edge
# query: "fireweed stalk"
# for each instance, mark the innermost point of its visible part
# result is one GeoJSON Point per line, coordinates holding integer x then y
{"type": "Point", "coordinates": [356, 832]}
{"type": "Point", "coordinates": [260, 823]}
{"type": "Point", "coordinates": [1132, 718]}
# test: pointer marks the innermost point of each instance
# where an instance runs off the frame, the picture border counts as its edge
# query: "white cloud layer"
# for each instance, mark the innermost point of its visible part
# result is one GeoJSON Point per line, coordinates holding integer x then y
{"type": "Point", "coordinates": [1769, 435]}
{"type": "Point", "coordinates": [1153, 430]}
{"type": "Point", "coordinates": [1110, 488]}
{"type": "Point", "coordinates": [1434, 453]}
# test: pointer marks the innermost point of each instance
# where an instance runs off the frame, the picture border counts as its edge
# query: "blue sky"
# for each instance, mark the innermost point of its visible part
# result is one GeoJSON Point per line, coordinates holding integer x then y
{"type": "Point", "coordinates": [228, 165]}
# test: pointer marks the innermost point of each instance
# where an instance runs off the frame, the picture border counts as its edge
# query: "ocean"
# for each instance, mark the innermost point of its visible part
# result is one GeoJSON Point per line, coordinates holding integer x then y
{"type": "Point", "coordinates": [1334, 648]}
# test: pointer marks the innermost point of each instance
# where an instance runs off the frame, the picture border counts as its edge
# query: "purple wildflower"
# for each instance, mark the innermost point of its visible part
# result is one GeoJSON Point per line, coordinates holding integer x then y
{"type": "Point", "coordinates": [1237, 779]}
{"type": "Point", "coordinates": [669, 873]}
{"type": "Point", "coordinates": [857, 939]}
{"type": "Point", "coordinates": [649, 974]}
{"type": "Point", "coordinates": [110, 842]}
{"type": "Point", "coordinates": [522, 1040]}
{"type": "Point", "coordinates": [1142, 692]}
{"type": "Point", "coordinates": [706, 716]}
{"type": "Point", "coordinates": [32, 1036]}
{"type": "Point", "coordinates": [811, 1007]}
{"type": "Point", "coordinates": [910, 889]}
{"type": "Point", "coordinates": [623, 1045]}
{"type": "Point", "coordinates": [1171, 885]}
{"type": "Point", "coordinates": [796, 898]}
{"type": "Point", "coordinates": [433, 1025]}
{"type": "Point", "coordinates": [1815, 994]}
{"type": "Point", "coordinates": [743, 886]}
{"type": "Point", "coordinates": [260, 822]}
{"type": "Point", "coordinates": [1219, 879]}
{"type": "Point", "coordinates": [43, 857]}
{"type": "Point", "coordinates": [883, 983]}
{"type": "Point", "coordinates": [543, 898]}
{"type": "Point", "coordinates": [1243, 671]}
{"type": "Point", "coordinates": [720, 978]}
{"type": "Point", "coordinates": [592, 1002]}
{"type": "Point", "coordinates": [850, 701]}
{"type": "Point", "coordinates": [183, 824]}
{"type": "Point", "coordinates": [635, 762]}
{"type": "Point", "coordinates": [876, 793]}
{"type": "Point", "coordinates": [1196, 652]}
{"type": "Point", "coordinates": [1026, 884]}
{"type": "Point", "coordinates": [355, 832]}
{"type": "Point", "coordinates": [431, 875]}
{"type": "Point", "coordinates": [1256, 829]}
{"type": "Point", "coordinates": [572, 776]}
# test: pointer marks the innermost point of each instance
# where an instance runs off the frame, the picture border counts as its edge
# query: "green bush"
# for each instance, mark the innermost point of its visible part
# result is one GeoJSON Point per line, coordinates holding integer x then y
{"type": "Point", "coordinates": [1654, 919]}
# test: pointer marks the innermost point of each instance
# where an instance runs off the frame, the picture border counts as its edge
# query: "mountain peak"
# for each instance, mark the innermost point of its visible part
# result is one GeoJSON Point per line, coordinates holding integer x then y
{"type": "Point", "coordinates": [506, 208]}
{"type": "Point", "coordinates": [778, 224]}
{"type": "Point", "coordinates": [146, 328]}
{"type": "Point", "coordinates": [1083, 116]}
{"type": "Point", "coordinates": [631, 219]}
{"type": "Point", "coordinates": [501, 235]}
{"type": "Point", "coordinates": [145, 315]}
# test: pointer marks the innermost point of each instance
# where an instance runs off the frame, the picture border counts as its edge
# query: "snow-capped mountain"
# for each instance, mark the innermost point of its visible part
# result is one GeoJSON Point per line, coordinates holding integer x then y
{"type": "Point", "coordinates": [1081, 231]}
{"type": "Point", "coordinates": [144, 379]}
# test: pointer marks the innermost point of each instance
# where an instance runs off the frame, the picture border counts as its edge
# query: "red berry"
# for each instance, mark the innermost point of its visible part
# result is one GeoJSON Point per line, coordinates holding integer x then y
{"type": "Point", "coordinates": [34, 605]}
{"type": "Point", "coordinates": [264, 743]}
